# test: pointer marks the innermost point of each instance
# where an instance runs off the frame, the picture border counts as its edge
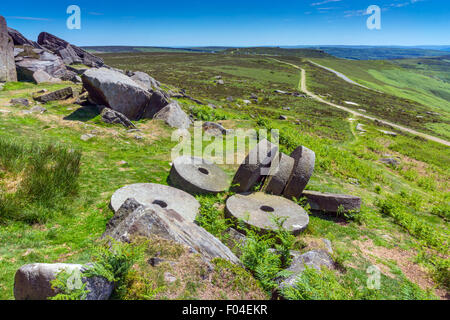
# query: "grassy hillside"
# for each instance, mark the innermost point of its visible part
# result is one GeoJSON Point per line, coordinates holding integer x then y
{"type": "Point", "coordinates": [379, 53]}
{"type": "Point", "coordinates": [277, 51]}
{"type": "Point", "coordinates": [402, 228]}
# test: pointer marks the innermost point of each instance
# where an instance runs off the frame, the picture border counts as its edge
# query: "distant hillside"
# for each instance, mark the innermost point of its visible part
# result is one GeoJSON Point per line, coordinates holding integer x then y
{"type": "Point", "coordinates": [277, 51]}
{"type": "Point", "coordinates": [380, 53]}
{"type": "Point", "coordinates": [128, 49]}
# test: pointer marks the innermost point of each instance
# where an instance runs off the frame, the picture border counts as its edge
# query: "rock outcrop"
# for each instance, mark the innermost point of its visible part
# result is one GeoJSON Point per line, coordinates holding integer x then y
{"type": "Point", "coordinates": [33, 282]}
{"type": "Point", "coordinates": [174, 116]}
{"type": "Point", "coordinates": [20, 40]}
{"type": "Point", "coordinates": [69, 53]}
{"type": "Point", "coordinates": [7, 66]}
{"type": "Point", "coordinates": [116, 91]}
{"type": "Point", "coordinates": [133, 220]}
{"type": "Point", "coordinates": [144, 80]}
{"type": "Point", "coordinates": [114, 117]}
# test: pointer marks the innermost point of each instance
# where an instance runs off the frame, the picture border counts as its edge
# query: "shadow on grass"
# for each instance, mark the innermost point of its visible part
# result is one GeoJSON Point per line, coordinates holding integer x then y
{"type": "Point", "coordinates": [85, 113]}
{"type": "Point", "coordinates": [329, 217]}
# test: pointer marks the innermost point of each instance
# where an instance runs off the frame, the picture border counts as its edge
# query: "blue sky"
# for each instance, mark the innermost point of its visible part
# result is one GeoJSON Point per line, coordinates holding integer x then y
{"type": "Point", "coordinates": [234, 22]}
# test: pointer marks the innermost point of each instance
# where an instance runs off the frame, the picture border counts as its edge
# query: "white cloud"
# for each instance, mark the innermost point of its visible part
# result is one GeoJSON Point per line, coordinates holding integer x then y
{"type": "Point", "coordinates": [29, 18]}
{"type": "Point", "coordinates": [324, 2]}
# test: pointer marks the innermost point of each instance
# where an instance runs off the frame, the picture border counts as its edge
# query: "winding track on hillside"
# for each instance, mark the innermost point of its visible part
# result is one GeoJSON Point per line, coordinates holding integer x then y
{"type": "Point", "coordinates": [302, 87]}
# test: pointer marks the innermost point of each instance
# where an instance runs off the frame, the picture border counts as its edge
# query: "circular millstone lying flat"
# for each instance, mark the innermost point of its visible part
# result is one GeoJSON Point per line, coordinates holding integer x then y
{"type": "Point", "coordinates": [279, 174]}
{"type": "Point", "coordinates": [330, 202]}
{"type": "Point", "coordinates": [197, 175]}
{"type": "Point", "coordinates": [303, 169]}
{"type": "Point", "coordinates": [166, 197]}
{"type": "Point", "coordinates": [255, 166]}
{"type": "Point", "coordinates": [258, 210]}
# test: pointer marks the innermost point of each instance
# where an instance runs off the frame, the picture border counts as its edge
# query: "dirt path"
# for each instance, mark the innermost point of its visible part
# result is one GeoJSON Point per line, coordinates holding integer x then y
{"type": "Point", "coordinates": [302, 87]}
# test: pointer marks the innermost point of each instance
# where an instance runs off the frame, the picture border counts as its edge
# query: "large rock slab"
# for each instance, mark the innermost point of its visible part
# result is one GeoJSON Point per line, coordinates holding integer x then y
{"type": "Point", "coordinates": [303, 169]}
{"type": "Point", "coordinates": [255, 166]}
{"type": "Point", "coordinates": [198, 176]}
{"type": "Point", "coordinates": [20, 40]}
{"type": "Point", "coordinates": [259, 209]}
{"type": "Point", "coordinates": [41, 76]}
{"type": "Point", "coordinates": [33, 282]}
{"type": "Point", "coordinates": [7, 64]}
{"type": "Point", "coordinates": [279, 174]}
{"type": "Point", "coordinates": [313, 259]}
{"type": "Point", "coordinates": [149, 194]}
{"type": "Point", "coordinates": [331, 202]}
{"type": "Point", "coordinates": [158, 101]}
{"type": "Point", "coordinates": [174, 116]}
{"type": "Point", "coordinates": [68, 52]}
{"type": "Point", "coordinates": [144, 80]}
{"type": "Point", "coordinates": [61, 94]}
{"type": "Point", "coordinates": [133, 220]}
{"type": "Point", "coordinates": [116, 91]}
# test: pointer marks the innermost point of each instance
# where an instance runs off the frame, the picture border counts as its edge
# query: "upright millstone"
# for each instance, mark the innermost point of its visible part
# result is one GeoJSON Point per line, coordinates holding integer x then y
{"type": "Point", "coordinates": [198, 176]}
{"type": "Point", "coordinates": [255, 166]}
{"type": "Point", "coordinates": [150, 194]}
{"type": "Point", "coordinates": [279, 174]}
{"type": "Point", "coordinates": [303, 169]}
{"type": "Point", "coordinates": [259, 210]}
{"type": "Point", "coordinates": [7, 64]}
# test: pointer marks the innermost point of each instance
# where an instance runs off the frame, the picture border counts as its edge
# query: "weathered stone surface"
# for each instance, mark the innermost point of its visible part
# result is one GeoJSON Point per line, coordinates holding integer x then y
{"type": "Point", "coordinates": [314, 259]}
{"type": "Point", "coordinates": [279, 174]}
{"type": "Point", "coordinates": [302, 172]}
{"type": "Point", "coordinates": [61, 94]}
{"type": "Point", "coordinates": [33, 282]}
{"type": "Point", "coordinates": [48, 62]}
{"type": "Point", "coordinates": [214, 128]}
{"type": "Point", "coordinates": [154, 221]}
{"type": "Point", "coordinates": [115, 117]}
{"type": "Point", "coordinates": [390, 161]}
{"type": "Point", "coordinates": [69, 53]}
{"type": "Point", "coordinates": [330, 202]}
{"type": "Point", "coordinates": [149, 194]}
{"type": "Point", "coordinates": [116, 91]}
{"type": "Point", "coordinates": [255, 166]}
{"type": "Point", "coordinates": [198, 176]}
{"type": "Point", "coordinates": [174, 116]}
{"type": "Point", "coordinates": [41, 76]}
{"type": "Point", "coordinates": [158, 101]}
{"type": "Point", "coordinates": [7, 64]}
{"type": "Point", "coordinates": [20, 101]}
{"type": "Point", "coordinates": [259, 210]}
{"type": "Point", "coordinates": [144, 80]}
{"type": "Point", "coordinates": [35, 109]}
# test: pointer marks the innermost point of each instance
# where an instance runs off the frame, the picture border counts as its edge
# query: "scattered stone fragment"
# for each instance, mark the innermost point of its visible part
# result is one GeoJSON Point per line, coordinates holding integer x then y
{"type": "Point", "coordinates": [230, 99]}
{"type": "Point", "coordinates": [315, 259]}
{"type": "Point", "coordinates": [255, 166]}
{"type": "Point", "coordinates": [330, 202]}
{"type": "Point", "coordinates": [198, 176]}
{"type": "Point", "coordinates": [87, 136]}
{"type": "Point", "coordinates": [259, 210]}
{"type": "Point", "coordinates": [389, 133]}
{"type": "Point", "coordinates": [214, 128]}
{"type": "Point", "coordinates": [20, 101]}
{"type": "Point", "coordinates": [170, 278]}
{"type": "Point", "coordinates": [149, 194]}
{"type": "Point", "coordinates": [35, 109]}
{"type": "Point", "coordinates": [390, 161]}
{"type": "Point", "coordinates": [133, 220]}
{"type": "Point", "coordinates": [246, 101]}
{"type": "Point", "coordinates": [283, 117]}
{"type": "Point", "coordinates": [174, 116]}
{"type": "Point", "coordinates": [115, 117]}
{"type": "Point", "coordinates": [303, 169]}
{"type": "Point", "coordinates": [33, 281]}
{"type": "Point", "coordinates": [61, 94]}
{"type": "Point", "coordinates": [220, 82]}
{"type": "Point", "coordinates": [279, 174]}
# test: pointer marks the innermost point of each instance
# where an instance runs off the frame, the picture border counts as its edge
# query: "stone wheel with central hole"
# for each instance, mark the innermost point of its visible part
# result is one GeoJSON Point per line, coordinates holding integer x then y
{"type": "Point", "coordinates": [258, 209]}
{"type": "Point", "coordinates": [150, 194]}
{"type": "Point", "coordinates": [198, 176]}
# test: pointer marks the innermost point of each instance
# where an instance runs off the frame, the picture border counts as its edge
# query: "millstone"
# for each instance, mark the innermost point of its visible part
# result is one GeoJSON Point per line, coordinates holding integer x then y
{"type": "Point", "coordinates": [279, 175]}
{"type": "Point", "coordinates": [258, 210]}
{"type": "Point", "coordinates": [255, 166]}
{"type": "Point", "coordinates": [150, 194]}
{"type": "Point", "coordinates": [198, 176]}
{"type": "Point", "coordinates": [330, 202]}
{"type": "Point", "coordinates": [303, 169]}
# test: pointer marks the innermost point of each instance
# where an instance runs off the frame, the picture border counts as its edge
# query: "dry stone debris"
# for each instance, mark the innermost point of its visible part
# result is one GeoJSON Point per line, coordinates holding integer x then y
{"type": "Point", "coordinates": [331, 202]}
{"type": "Point", "coordinates": [61, 94]}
